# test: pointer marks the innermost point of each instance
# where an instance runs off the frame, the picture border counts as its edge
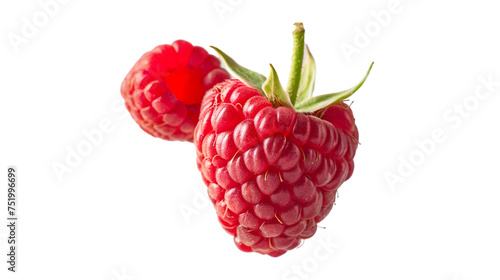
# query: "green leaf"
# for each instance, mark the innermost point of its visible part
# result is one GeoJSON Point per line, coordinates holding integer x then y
{"type": "Point", "coordinates": [307, 77]}
{"type": "Point", "coordinates": [322, 101]}
{"type": "Point", "coordinates": [249, 77]}
{"type": "Point", "coordinates": [274, 91]}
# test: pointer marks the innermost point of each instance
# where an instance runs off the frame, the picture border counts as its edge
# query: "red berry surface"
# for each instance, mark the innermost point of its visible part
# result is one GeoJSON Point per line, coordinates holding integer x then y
{"type": "Point", "coordinates": [164, 89]}
{"type": "Point", "coordinates": [272, 173]}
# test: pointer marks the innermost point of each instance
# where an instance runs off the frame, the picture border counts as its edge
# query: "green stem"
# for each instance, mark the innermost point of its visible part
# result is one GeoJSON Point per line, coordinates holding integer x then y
{"type": "Point", "coordinates": [297, 58]}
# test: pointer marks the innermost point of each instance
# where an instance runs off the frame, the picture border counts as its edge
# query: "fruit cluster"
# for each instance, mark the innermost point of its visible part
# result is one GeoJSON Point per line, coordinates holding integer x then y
{"type": "Point", "coordinates": [272, 159]}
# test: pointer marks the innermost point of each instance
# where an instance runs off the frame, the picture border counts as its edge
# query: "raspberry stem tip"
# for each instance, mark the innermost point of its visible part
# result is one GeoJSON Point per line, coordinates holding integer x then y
{"type": "Point", "coordinates": [297, 58]}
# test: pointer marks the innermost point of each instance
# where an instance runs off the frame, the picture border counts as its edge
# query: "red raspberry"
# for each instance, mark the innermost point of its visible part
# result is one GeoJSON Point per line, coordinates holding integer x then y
{"type": "Point", "coordinates": [273, 162]}
{"type": "Point", "coordinates": [164, 89]}
{"type": "Point", "coordinates": [272, 173]}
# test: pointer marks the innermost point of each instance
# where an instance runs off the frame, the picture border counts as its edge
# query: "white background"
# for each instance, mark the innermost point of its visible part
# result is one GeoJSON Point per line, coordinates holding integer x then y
{"type": "Point", "coordinates": [117, 214]}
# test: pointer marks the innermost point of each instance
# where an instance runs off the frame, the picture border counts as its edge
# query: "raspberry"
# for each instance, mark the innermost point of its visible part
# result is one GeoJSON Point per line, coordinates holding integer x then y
{"type": "Point", "coordinates": [273, 161]}
{"type": "Point", "coordinates": [164, 89]}
{"type": "Point", "coordinates": [271, 176]}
